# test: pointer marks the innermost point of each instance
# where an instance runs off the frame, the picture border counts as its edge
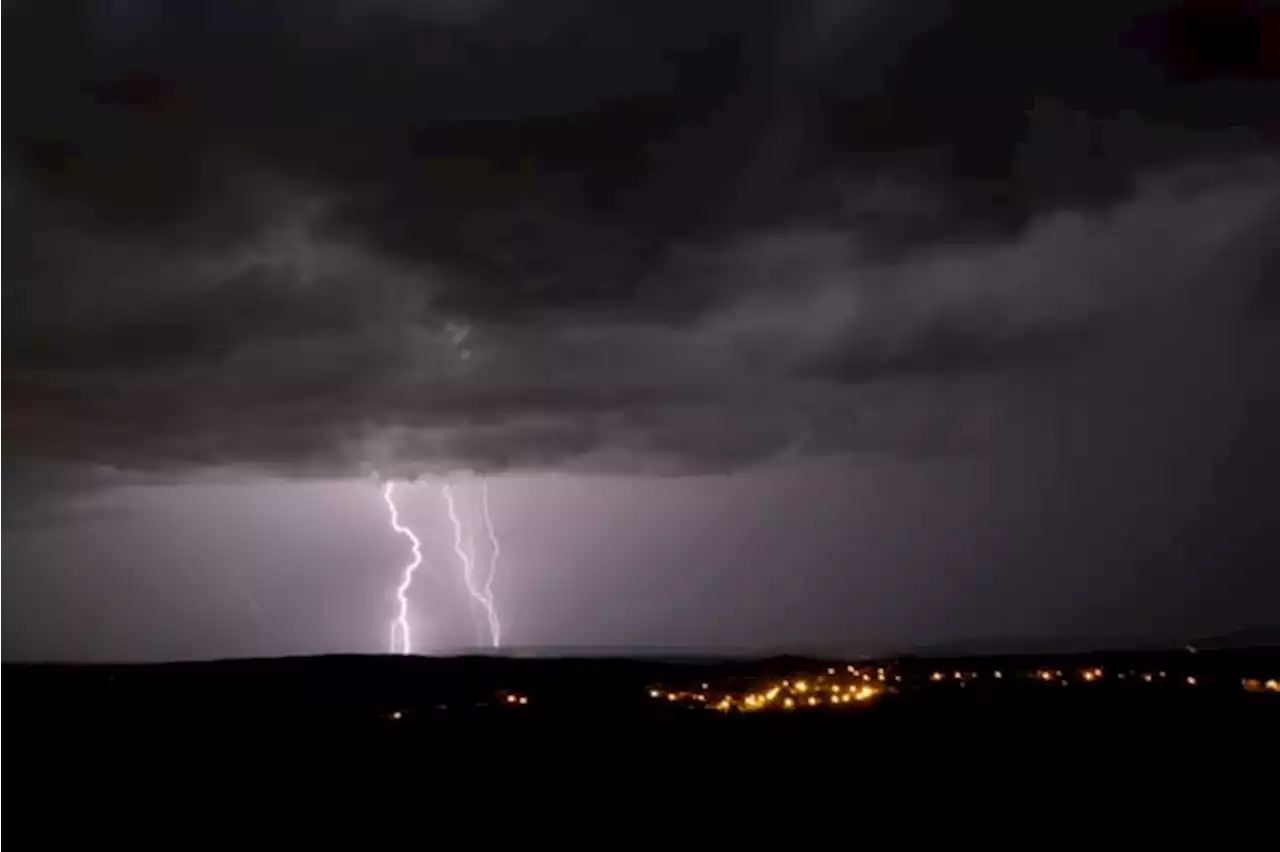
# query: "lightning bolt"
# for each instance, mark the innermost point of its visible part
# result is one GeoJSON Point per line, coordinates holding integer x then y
{"type": "Point", "coordinates": [495, 550]}
{"type": "Point", "coordinates": [468, 566]}
{"type": "Point", "coordinates": [401, 638]}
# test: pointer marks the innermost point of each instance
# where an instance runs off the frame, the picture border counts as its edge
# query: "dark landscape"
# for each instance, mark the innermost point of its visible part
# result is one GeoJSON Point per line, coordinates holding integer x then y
{"type": "Point", "coordinates": [549, 703]}
{"type": "Point", "coordinates": [269, 745]}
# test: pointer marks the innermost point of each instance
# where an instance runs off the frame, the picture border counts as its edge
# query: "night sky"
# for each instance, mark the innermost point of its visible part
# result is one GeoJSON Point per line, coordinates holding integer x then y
{"type": "Point", "coordinates": [772, 325]}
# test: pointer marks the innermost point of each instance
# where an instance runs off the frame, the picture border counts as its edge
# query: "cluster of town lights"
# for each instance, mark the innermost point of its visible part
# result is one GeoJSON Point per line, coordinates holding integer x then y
{"type": "Point", "coordinates": [783, 696]}
{"type": "Point", "coordinates": [853, 687]}
{"type": "Point", "coordinates": [857, 686]}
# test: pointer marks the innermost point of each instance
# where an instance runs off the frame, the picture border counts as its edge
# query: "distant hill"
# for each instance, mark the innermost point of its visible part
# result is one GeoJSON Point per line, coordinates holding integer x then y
{"type": "Point", "coordinates": [1256, 636]}
{"type": "Point", "coordinates": [987, 646]}
{"type": "Point", "coordinates": [670, 654]}
{"type": "Point", "coordinates": [611, 652]}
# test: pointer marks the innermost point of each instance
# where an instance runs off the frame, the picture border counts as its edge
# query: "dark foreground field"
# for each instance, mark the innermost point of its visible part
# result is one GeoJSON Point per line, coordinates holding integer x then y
{"type": "Point", "coordinates": [384, 699]}
{"type": "Point", "coordinates": [466, 736]}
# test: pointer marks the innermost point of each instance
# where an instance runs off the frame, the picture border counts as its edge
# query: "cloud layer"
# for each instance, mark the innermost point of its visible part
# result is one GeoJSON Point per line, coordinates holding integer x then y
{"type": "Point", "coordinates": [409, 237]}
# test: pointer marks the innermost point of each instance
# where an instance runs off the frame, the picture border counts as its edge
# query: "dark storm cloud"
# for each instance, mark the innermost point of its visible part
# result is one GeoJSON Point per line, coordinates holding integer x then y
{"type": "Point", "coordinates": [328, 237]}
{"type": "Point", "coordinates": [952, 346]}
{"type": "Point", "coordinates": [50, 494]}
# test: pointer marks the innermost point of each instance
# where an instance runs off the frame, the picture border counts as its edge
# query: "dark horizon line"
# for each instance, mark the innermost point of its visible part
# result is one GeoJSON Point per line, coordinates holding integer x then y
{"type": "Point", "coordinates": [942, 650]}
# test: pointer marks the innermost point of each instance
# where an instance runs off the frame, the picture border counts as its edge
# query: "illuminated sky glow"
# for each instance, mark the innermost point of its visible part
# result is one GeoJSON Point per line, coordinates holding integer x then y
{"type": "Point", "coordinates": [743, 329]}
